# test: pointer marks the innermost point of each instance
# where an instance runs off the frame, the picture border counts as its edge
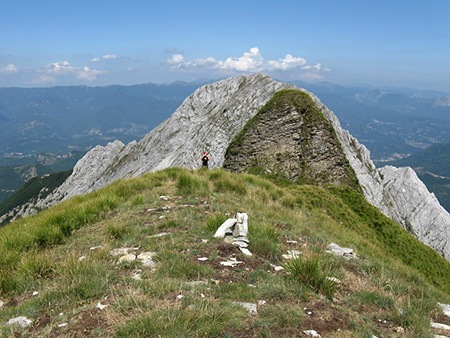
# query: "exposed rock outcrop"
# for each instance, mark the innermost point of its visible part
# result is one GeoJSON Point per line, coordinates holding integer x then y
{"type": "Point", "coordinates": [291, 138]}
{"type": "Point", "coordinates": [209, 120]}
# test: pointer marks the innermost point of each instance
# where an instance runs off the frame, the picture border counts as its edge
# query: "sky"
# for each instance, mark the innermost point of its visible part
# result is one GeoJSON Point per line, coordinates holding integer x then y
{"type": "Point", "coordinates": [380, 43]}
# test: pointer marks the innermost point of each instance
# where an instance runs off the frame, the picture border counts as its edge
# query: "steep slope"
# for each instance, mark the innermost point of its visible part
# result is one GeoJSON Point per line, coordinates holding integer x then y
{"type": "Point", "coordinates": [212, 116]}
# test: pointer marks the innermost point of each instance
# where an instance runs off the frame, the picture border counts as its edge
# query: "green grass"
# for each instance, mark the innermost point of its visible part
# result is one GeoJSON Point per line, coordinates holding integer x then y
{"type": "Point", "coordinates": [64, 254]}
{"type": "Point", "coordinates": [319, 272]}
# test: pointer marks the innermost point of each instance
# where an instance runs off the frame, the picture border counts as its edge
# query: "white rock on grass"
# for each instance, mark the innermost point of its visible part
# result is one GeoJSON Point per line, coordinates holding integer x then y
{"type": "Point", "coordinates": [231, 263]}
{"type": "Point", "coordinates": [440, 326]}
{"type": "Point", "coordinates": [1, 304]}
{"type": "Point", "coordinates": [101, 306]}
{"type": "Point", "coordinates": [147, 259]}
{"type": "Point", "coordinates": [340, 251]}
{"type": "Point", "coordinates": [251, 308]}
{"type": "Point", "coordinates": [21, 321]}
{"type": "Point", "coordinates": [312, 333]}
{"type": "Point", "coordinates": [127, 258]}
{"type": "Point", "coordinates": [161, 234]}
{"type": "Point", "coordinates": [445, 308]}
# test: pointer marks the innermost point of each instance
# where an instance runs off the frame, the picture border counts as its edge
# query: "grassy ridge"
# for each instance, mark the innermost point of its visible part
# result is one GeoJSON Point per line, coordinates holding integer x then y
{"type": "Point", "coordinates": [64, 254]}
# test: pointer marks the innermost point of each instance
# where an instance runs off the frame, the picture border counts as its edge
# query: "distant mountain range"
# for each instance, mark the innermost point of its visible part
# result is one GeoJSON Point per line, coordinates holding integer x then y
{"type": "Point", "coordinates": [45, 130]}
{"type": "Point", "coordinates": [391, 123]}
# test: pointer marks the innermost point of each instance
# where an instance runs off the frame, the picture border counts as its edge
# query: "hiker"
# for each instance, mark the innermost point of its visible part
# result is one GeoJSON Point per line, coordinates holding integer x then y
{"type": "Point", "coordinates": [205, 158]}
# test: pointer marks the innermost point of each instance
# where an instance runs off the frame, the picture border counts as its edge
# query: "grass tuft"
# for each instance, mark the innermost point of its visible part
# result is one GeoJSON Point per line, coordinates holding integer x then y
{"type": "Point", "coordinates": [315, 271]}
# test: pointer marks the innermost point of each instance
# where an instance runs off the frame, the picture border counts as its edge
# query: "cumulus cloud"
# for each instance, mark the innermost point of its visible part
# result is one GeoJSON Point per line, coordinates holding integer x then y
{"type": "Point", "coordinates": [175, 59]}
{"type": "Point", "coordinates": [286, 63]}
{"type": "Point", "coordinates": [88, 74]}
{"type": "Point", "coordinates": [8, 69]}
{"type": "Point", "coordinates": [64, 68]}
{"type": "Point", "coordinates": [105, 57]}
{"type": "Point", "coordinates": [251, 61]}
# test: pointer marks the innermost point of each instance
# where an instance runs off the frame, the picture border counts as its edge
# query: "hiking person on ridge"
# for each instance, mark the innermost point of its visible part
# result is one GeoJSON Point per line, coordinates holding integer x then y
{"type": "Point", "coordinates": [205, 158]}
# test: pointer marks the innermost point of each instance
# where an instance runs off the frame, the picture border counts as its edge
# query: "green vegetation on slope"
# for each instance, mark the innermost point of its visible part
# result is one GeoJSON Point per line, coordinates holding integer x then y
{"type": "Point", "coordinates": [37, 187]}
{"type": "Point", "coordinates": [64, 254]}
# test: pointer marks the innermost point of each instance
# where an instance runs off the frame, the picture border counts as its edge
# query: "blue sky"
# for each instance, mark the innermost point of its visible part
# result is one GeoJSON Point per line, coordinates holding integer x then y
{"type": "Point", "coordinates": [101, 42]}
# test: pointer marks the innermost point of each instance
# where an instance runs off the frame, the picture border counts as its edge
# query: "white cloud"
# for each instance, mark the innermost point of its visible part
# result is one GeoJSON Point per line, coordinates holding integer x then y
{"type": "Point", "coordinates": [8, 69]}
{"type": "Point", "coordinates": [248, 62]}
{"type": "Point", "coordinates": [88, 74]}
{"type": "Point", "coordinates": [105, 57]}
{"type": "Point", "coordinates": [318, 67]}
{"type": "Point", "coordinates": [64, 68]}
{"type": "Point", "coordinates": [175, 59]}
{"type": "Point", "coordinates": [287, 63]}
{"type": "Point", "coordinates": [110, 56]}
{"type": "Point", "coordinates": [251, 61]}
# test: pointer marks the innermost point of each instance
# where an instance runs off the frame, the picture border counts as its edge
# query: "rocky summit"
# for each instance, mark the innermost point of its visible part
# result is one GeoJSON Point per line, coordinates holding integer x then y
{"type": "Point", "coordinates": [300, 138]}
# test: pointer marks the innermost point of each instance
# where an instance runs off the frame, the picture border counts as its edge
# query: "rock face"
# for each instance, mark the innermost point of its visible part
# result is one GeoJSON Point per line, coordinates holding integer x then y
{"type": "Point", "coordinates": [210, 119]}
{"type": "Point", "coordinates": [291, 138]}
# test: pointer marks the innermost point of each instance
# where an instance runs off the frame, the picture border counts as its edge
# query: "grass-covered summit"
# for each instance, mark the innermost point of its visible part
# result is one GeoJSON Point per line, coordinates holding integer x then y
{"type": "Point", "coordinates": [58, 268]}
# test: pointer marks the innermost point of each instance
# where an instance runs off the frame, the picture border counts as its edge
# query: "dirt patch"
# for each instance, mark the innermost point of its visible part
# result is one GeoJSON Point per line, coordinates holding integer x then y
{"type": "Point", "coordinates": [323, 318]}
{"type": "Point", "coordinates": [42, 321]}
{"type": "Point", "coordinates": [83, 325]}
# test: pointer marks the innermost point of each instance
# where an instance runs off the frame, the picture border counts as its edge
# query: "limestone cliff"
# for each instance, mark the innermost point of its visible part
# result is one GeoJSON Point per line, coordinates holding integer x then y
{"type": "Point", "coordinates": [211, 118]}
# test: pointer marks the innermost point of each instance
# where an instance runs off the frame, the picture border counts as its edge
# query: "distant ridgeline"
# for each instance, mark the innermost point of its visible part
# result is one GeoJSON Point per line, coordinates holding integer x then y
{"type": "Point", "coordinates": [268, 127]}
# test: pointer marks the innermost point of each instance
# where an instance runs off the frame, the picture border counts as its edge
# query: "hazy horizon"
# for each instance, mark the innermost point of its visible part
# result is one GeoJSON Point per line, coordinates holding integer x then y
{"type": "Point", "coordinates": [378, 44]}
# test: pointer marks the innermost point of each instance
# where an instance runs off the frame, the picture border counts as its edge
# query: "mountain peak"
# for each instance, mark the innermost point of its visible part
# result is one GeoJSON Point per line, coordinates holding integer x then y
{"type": "Point", "coordinates": [209, 120]}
